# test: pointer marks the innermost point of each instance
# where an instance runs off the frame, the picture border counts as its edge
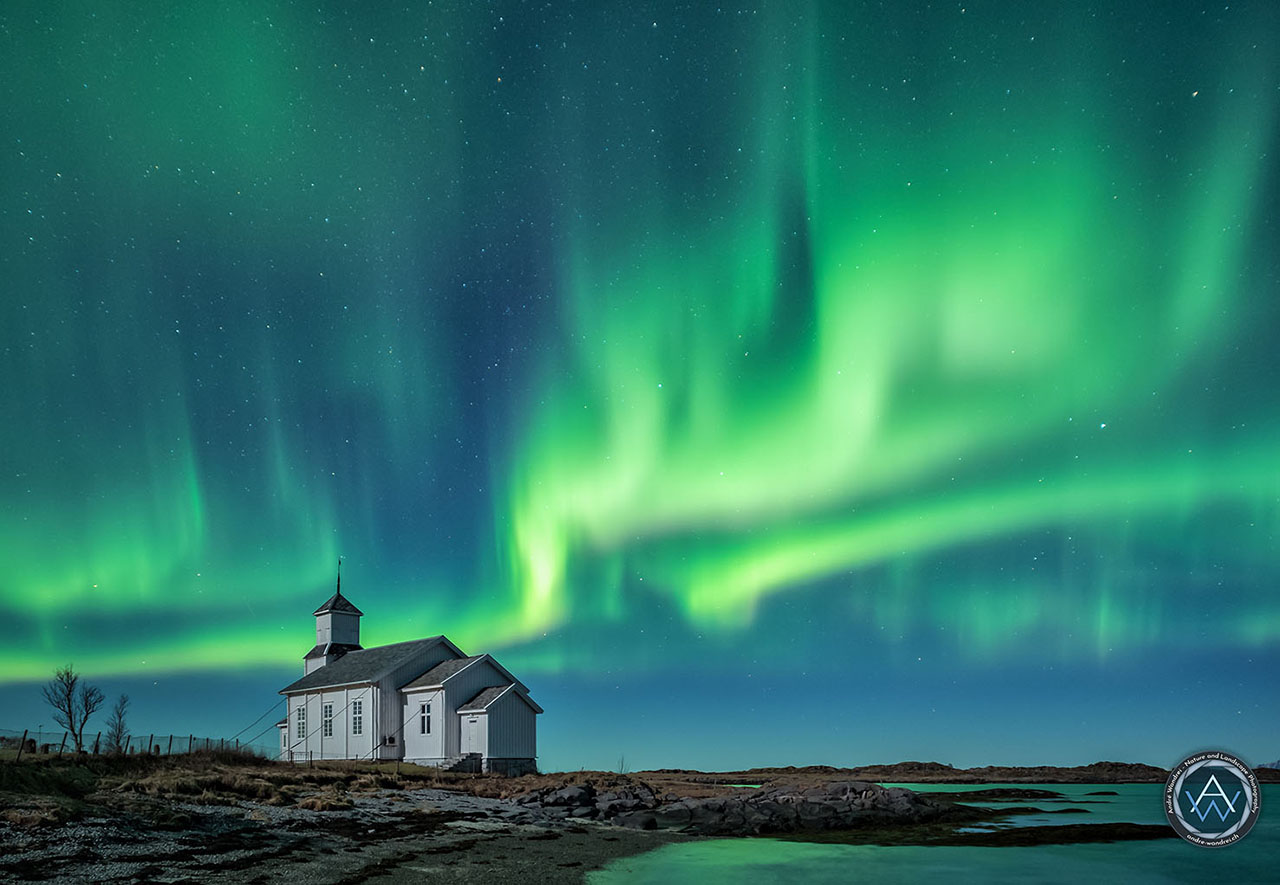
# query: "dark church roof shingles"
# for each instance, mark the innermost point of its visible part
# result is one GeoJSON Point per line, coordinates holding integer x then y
{"type": "Point", "coordinates": [366, 665]}
{"type": "Point", "coordinates": [440, 672]}
{"type": "Point", "coordinates": [338, 603]}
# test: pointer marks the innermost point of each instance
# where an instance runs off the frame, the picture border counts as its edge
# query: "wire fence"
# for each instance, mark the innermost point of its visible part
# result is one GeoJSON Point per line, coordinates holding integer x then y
{"type": "Point", "coordinates": [44, 743]}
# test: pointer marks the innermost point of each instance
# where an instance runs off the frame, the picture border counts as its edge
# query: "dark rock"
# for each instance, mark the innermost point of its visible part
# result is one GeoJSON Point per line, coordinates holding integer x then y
{"type": "Point", "coordinates": [786, 809]}
{"type": "Point", "coordinates": [673, 816]}
{"type": "Point", "coordinates": [608, 808]}
{"type": "Point", "coordinates": [815, 815]}
{"type": "Point", "coordinates": [1069, 834]}
{"type": "Point", "coordinates": [637, 820]}
{"type": "Point", "coordinates": [574, 795]}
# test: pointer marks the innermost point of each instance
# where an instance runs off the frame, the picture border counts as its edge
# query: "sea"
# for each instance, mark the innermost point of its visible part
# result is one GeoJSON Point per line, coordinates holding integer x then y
{"type": "Point", "coordinates": [1255, 858]}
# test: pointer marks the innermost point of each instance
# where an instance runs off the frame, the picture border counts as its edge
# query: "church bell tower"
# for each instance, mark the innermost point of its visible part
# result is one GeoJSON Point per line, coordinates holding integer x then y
{"type": "Point", "coordinates": [337, 629]}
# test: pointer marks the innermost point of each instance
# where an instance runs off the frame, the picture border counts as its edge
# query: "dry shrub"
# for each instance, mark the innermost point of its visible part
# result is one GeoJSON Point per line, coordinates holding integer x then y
{"type": "Point", "coordinates": [372, 782]}
{"type": "Point", "coordinates": [36, 814]}
{"type": "Point", "coordinates": [182, 786]}
{"type": "Point", "coordinates": [252, 787]}
{"type": "Point", "coordinates": [325, 803]}
{"type": "Point", "coordinates": [325, 777]}
{"type": "Point", "coordinates": [219, 787]}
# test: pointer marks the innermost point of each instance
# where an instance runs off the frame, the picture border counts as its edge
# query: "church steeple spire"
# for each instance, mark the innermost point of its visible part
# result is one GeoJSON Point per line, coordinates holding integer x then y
{"type": "Point", "coordinates": [337, 628]}
{"type": "Point", "coordinates": [337, 602]}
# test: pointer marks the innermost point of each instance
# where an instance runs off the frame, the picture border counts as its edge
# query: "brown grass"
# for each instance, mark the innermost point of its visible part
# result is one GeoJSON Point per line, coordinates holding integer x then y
{"type": "Point", "coordinates": [219, 786]}
{"type": "Point", "coordinates": [39, 812]}
{"type": "Point", "coordinates": [325, 803]}
{"type": "Point", "coordinates": [218, 779]}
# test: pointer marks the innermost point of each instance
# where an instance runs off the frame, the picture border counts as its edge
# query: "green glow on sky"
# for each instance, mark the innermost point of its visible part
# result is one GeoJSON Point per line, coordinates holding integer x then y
{"type": "Point", "coordinates": [910, 350]}
{"type": "Point", "coordinates": [655, 321]}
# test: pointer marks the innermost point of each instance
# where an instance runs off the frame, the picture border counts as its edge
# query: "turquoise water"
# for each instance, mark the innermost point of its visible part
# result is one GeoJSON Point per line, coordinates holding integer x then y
{"type": "Point", "coordinates": [1256, 858]}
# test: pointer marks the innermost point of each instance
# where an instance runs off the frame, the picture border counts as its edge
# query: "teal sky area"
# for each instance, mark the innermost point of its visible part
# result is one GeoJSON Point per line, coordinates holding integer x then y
{"type": "Point", "coordinates": [767, 384]}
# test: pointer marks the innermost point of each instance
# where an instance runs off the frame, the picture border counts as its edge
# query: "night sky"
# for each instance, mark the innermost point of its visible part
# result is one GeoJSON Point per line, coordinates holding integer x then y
{"type": "Point", "coordinates": [803, 383]}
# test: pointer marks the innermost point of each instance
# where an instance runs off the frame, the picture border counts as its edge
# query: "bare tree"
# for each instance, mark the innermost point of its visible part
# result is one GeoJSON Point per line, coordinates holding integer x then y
{"type": "Point", "coordinates": [117, 729]}
{"type": "Point", "coordinates": [73, 702]}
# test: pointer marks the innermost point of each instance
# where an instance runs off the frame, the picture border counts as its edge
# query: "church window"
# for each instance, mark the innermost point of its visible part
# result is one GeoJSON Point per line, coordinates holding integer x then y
{"type": "Point", "coordinates": [327, 721]}
{"type": "Point", "coordinates": [357, 717]}
{"type": "Point", "coordinates": [301, 730]}
{"type": "Point", "coordinates": [424, 723]}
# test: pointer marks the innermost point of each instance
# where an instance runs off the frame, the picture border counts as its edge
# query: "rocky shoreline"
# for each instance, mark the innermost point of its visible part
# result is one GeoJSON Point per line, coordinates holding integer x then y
{"type": "Point", "coordinates": [850, 812]}
{"type": "Point", "coordinates": [387, 837]}
{"type": "Point", "coordinates": [840, 805]}
{"type": "Point", "coordinates": [243, 821]}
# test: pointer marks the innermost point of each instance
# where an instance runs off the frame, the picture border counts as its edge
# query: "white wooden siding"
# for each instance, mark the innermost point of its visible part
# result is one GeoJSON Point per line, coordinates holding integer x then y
{"type": "Point", "coordinates": [416, 744]}
{"type": "Point", "coordinates": [343, 627]}
{"type": "Point", "coordinates": [342, 744]}
{"type": "Point", "coordinates": [392, 718]}
{"type": "Point", "coordinates": [462, 687]}
{"type": "Point", "coordinates": [512, 729]}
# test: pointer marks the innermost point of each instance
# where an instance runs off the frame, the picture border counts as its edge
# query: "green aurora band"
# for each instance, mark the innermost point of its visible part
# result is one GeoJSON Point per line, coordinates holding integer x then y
{"type": "Point", "coordinates": [832, 297]}
{"type": "Point", "coordinates": [858, 370]}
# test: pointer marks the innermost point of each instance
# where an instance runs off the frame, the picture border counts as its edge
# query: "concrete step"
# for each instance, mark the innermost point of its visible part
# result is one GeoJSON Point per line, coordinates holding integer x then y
{"type": "Point", "coordinates": [463, 762]}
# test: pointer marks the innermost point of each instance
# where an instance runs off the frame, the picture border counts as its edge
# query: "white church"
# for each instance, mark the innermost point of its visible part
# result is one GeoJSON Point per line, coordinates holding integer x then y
{"type": "Point", "coordinates": [422, 701]}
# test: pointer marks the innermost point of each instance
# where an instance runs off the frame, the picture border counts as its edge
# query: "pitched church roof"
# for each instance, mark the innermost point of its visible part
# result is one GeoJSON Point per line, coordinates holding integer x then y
{"type": "Point", "coordinates": [337, 649]}
{"type": "Point", "coordinates": [338, 603]}
{"type": "Point", "coordinates": [440, 672]}
{"type": "Point", "coordinates": [366, 665]}
{"type": "Point", "coordinates": [487, 696]}
{"type": "Point", "coordinates": [484, 698]}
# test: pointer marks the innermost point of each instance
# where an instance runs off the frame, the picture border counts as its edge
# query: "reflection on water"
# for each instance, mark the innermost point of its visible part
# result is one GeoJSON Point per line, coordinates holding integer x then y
{"type": "Point", "coordinates": [710, 862]}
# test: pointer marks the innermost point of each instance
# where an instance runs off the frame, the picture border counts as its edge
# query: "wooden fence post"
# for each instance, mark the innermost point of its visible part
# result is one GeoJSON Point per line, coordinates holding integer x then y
{"type": "Point", "coordinates": [191, 742]}
{"type": "Point", "coordinates": [96, 741]}
{"type": "Point", "coordinates": [151, 739]}
{"type": "Point", "coordinates": [169, 752]}
{"type": "Point", "coordinates": [22, 745]}
{"type": "Point", "coordinates": [62, 745]}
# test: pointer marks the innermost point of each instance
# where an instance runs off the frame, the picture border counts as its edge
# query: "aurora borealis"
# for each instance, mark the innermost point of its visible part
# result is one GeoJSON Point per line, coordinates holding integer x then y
{"type": "Point", "coordinates": [771, 365]}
